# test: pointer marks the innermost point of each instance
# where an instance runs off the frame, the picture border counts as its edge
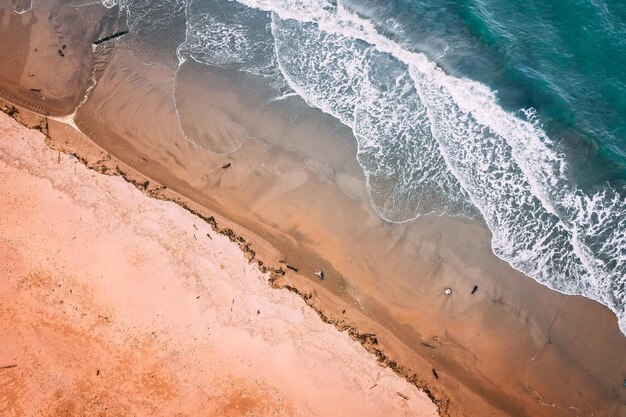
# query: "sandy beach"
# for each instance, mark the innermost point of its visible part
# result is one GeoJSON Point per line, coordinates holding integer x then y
{"type": "Point", "coordinates": [281, 183]}
{"type": "Point", "coordinates": [113, 303]}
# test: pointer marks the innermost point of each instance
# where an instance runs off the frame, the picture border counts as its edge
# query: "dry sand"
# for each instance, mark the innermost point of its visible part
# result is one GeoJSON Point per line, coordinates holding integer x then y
{"type": "Point", "coordinates": [116, 304]}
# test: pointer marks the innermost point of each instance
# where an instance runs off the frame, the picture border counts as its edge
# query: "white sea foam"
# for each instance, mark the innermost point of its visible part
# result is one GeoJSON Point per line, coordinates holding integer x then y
{"type": "Point", "coordinates": [374, 95]}
{"type": "Point", "coordinates": [19, 8]}
{"type": "Point", "coordinates": [229, 35]}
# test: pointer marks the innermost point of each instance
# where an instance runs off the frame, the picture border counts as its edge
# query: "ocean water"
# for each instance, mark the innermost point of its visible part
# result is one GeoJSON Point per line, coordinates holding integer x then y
{"type": "Point", "coordinates": [507, 112]}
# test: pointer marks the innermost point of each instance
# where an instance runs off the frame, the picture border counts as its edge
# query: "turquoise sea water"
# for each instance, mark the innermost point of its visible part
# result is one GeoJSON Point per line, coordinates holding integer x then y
{"type": "Point", "coordinates": [566, 59]}
{"type": "Point", "coordinates": [509, 112]}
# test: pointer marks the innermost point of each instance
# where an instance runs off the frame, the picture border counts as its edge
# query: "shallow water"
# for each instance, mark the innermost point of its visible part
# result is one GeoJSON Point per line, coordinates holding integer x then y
{"type": "Point", "coordinates": [505, 112]}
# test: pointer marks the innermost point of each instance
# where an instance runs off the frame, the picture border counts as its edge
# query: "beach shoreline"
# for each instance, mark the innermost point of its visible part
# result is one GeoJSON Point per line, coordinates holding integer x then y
{"type": "Point", "coordinates": [290, 192]}
{"type": "Point", "coordinates": [382, 343]}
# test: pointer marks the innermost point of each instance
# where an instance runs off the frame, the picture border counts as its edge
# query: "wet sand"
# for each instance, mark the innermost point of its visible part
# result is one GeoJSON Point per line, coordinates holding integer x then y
{"type": "Point", "coordinates": [115, 304]}
{"type": "Point", "coordinates": [293, 189]}
{"type": "Point", "coordinates": [46, 62]}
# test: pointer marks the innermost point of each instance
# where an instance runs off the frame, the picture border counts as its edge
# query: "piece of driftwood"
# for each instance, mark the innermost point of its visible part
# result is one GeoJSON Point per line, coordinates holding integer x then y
{"type": "Point", "coordinates": [226, 166]}
{"type": "Point", "coordinates": [435, 373]}
{"type": "Point", "coordinates": [7, 366]}
{"type": "Point", "coordinates": [403, 396]}
{"type": "Point", "coordinates": [475, 288]}
{"type": "Point", "coordinates": [110, 37]}
{"type": "Point", "coordinates": [293, 268]}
